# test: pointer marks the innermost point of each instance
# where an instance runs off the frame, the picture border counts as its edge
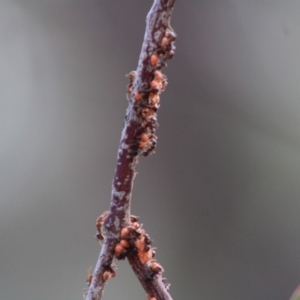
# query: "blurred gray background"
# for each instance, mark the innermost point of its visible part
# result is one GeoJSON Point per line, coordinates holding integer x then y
{"type": "Point", "coordinates": [220, 198]}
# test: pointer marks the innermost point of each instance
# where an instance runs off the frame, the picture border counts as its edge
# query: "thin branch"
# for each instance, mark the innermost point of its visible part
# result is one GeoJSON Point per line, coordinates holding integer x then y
{"type": "Point", "coordinates": [138, 138]}
{"type": "Point", "coordinates": [155, 287]}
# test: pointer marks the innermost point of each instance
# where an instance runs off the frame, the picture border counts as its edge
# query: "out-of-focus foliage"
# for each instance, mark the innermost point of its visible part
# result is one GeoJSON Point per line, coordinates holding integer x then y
{"type": "Point", "coordinates": [296, 294]}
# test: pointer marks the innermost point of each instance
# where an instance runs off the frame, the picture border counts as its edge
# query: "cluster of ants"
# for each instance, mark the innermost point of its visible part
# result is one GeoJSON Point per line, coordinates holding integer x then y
{"type": "Point", "coordinates": [146, 101]}
{"type": "Point", "coordinates": [133, 241]}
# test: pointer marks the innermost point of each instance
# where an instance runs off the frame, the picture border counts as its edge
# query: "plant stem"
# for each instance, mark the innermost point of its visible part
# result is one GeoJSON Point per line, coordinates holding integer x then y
{"type": "Point", "coordinates": [138, 138]}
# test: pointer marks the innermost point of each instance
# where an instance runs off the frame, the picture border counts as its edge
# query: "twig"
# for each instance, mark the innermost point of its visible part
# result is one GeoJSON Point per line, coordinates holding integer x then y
{"type": "Point", "coordinates": [138, 138]}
